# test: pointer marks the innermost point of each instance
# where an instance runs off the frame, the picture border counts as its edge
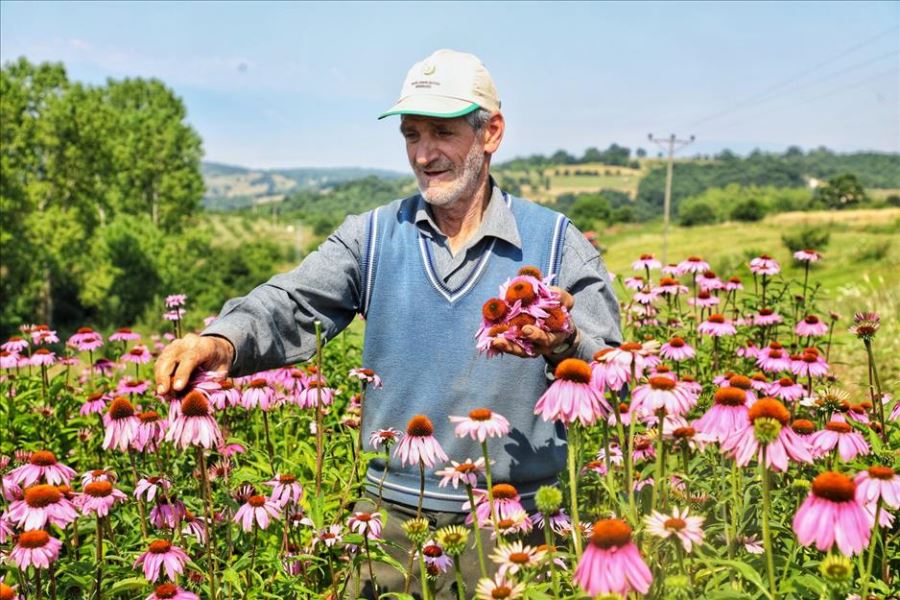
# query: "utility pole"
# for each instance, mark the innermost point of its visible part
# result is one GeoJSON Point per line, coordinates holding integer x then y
{"type": "Point", "coordinates": [673, 144]}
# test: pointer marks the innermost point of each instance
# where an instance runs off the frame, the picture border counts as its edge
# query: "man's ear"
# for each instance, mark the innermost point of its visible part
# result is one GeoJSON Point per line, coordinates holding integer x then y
{"type": "Point", "coordinates": [493, 133]}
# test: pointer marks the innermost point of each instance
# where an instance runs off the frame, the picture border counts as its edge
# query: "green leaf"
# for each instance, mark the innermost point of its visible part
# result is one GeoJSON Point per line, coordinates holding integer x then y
{"type": "Point", "coordinates": [745, 570]}
{"type": "Point", "coordinates": [130, 584]}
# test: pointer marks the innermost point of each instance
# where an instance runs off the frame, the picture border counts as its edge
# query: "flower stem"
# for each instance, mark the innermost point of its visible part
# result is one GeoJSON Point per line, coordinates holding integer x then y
{"type": "Point", "coordinates": [767, 535]}
{"type": "Point", "coordinates": [140, 502]}
{"type": "Point", "coordinates": [210, 522]}
{"type": "Point", "coordinates": [369, 560]}
{"type": "Point", "coordinates": [481, 563]}
{"type": "Point", "coordinates": [876, 390]}
{"type": "Point", "coordinates": [660, 463]}
{"type": "Point", "coordinates": [387, 459]}
{"type": "Point", "coordinates": [571, 456]}
{"type": "Point", "coordinates": [99, 541]}
{"type": "Point", "coordinates": [269, 448]}
{"type": "Point", "coordinates": [319, 433]}
{"type": "Point", "coordinates": [872, 544]}
{"type": "Point", "coordinates": [421, 488]}
{"type": "Point", "coordinates": [460, 586]}
{"type": "Point", "coordinates": [551, 550]}
{"type": "Point", "coordinates": [487, 477]}
{"type": "Point", "coordinates": [423, 573]}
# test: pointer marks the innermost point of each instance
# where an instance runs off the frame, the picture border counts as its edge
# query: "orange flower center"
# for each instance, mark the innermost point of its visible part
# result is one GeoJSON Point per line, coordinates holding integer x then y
{"type": "Point", "coordinates": [286, 479]}
{"type": "Point", "coordinates": [879, 472]}
{"type": "Point", "coordinates": [642, 444]}
{"type": "Point", "coordinates": [803, 426]}
{"type": "Point", "coordinates": [520, 290]}
{"type": "Point", "coordinates": [676, 342]}
{"type": "Point", "coordinates": [775, 354]}
{"type": "Point", "coordinates": [684, 432]}
{"type": "Point", "coordinates": [834, 486]}
{"type": "Point", "coordinates": [838, 427]}
{"type": "Point", "coordinates": [667, 282]}
{"type": "Point", "coordinates": [500, 592]}
{"type": "Point", "coordinates": [532, 271]}
{"type": "Point", "coordinates": [160, 546]}
{"type": "Point", "coordinates": [522, 320]}
{"type": "Point", "coordinates": [39, 496]}
{"type": "Point", "coordinates": [98, 489]}
{"type": "Point", "coordinates": [85, 330]}
{"type": "Point", "coordinates": [730, 396]}
{"type": "Point", "coordinates": [136, 351]}
{"type": "Point", "coordinates": [166, 590]}
{"type": "Point", "coordinates": [694, 259]}
{"type": "Point", "coordinates": [739, 381]}
{"type": "Point", "coordinates": [716, 318]}
{"type": "Point", "coordinates": [675, 524]}
{"type": "Point", "coordinates": [631, 347]}
{"type": "Point", "coordinates": [662, 383]}
{"type": "Point", "coordinates": [6, 592]}
{"type": "Point", "coordinates": [505, 523]}
{"type": "Point", "coordinates": [419, 426]}
{"type": "Point", "coordinates": [504, 491]}
{"type": "Point", "coordinates": [811, 319]}
{"type": "Point", "coordinates": [43, 458]}
{"type": "Point", "coordinates": [364, 517]}
{"type": "Point", "coordinates": [466, 468]}
{"type": "Point", "coordinates": [37, 538]}
{"type": "Point", "coordinates": [120, 408]}
{"type": "Point", "coordinates": [497, 330]}
{"type": "Point", "coordinates": [766, 312]}
{"type": "Point", "coordinates": [432, 551]}
{"type": "Point", "coordinates": [195, 404]}
{"type": "Point", "coordinates": [574, 369]}
{"type": "Point", "coordinates": [610, 533]}
{"type": "Point", "coordinates": [556, 319]}
{"type": "Point", "coordinates": [480, 414]}
{"type": "Point", "coordinates": [259, 382]}
{"type": "Point", "coordinates": [150, 416]}
{"type": "Point", "coordinates": [774, 345]}
{"type": "Point", "coordinates": [494, 309]}
{"type": "Point", "coordinates": [704, 295]}
{"type": "Point", "coordinates": [256, 501]}
{"type": "Point", "coordinates": [227, 384]}
{"type": "Point", "coordinates": [519, 558]}
{"type": "Point", "coordinates": [769, 408]}
{"type": "Point", "coordinates": [785, 382]}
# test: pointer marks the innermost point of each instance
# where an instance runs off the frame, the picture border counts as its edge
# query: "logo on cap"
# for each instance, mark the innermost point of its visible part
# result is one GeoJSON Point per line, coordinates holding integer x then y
{"type": "Point", "coordinates": [429, 69]}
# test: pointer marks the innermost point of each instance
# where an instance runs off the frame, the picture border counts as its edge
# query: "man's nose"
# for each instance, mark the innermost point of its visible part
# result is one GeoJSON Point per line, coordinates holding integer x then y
{"type": "Point", "coordinates": [426, 151]}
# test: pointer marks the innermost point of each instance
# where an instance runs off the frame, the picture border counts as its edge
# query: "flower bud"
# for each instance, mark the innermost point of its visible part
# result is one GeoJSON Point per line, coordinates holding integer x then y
{"type": "Point", "coordinates": [548, 499]}
{"type": "Point", "coordinates": [416, 530]}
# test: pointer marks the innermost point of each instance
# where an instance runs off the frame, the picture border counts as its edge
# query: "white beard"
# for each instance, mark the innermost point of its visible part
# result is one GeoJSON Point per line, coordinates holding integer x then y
{"type": "Point", "coordinates": [464, 185]}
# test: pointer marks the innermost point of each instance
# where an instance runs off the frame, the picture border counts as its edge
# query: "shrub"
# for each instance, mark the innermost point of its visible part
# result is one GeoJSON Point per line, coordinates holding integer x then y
{"type": "Point", "coordinates": [697, 212]}
{"type": "Point", "coordinates": [810, 237]}
{"type": "Point", "coordinates": [750, 209]}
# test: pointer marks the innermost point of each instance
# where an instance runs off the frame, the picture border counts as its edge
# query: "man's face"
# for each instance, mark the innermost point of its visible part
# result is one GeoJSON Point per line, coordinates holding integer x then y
{"type": "Point", "coordinates": [446, 156]}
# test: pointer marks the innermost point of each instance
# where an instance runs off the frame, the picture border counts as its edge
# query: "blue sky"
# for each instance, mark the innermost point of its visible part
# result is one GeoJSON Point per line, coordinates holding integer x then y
{"type": "Point", "coordinates": [280, 85]}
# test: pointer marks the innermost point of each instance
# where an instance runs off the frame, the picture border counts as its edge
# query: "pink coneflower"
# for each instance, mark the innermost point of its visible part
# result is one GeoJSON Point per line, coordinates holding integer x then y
{"type": "Point", "coordinates": [436, 560]}
{"type": "Point", "coordinates": [42, 504]}
{"type": "Point", "coordinates": [42, 358]}
{"type": "Point", "coordinates": [85, 339]}
{"type": "Point", "coordinates": [134, 387]}
{"type": "Point", "coordinates": [499, 587]}
{"type": "Point", "coordinates": [167, 513]}
{"type": "Point", "coordinates": [138, 355]}
{"type": "Point", "coordinates": [766, 317]}
{"type": "Point", "coordinates": [692, 264]}
{"type": "Point", "coordinates": [643, 449]}
{"type": "Point", "coordinates": [807, 256]}
{"type": "Point", "coordinates": [176, 314]}
{"type": "Point", "coordinates": [124, 334]}
{"type": "Point", "coordinates": [646, 261]}
{"type": "Point", "coordinates": [194, 426]}
{"type": "Point", "coordinates": [765, 265]}
{"type": "Point", "coordinates": [662, 393]}
{"type": "Point", "coordinates": [516, 556]}
{"type": "Point", "coordinates": [716, 325]}
{"type": "Point", "coordinates": [8, 592]}
{"type": "Point", "coordinates": [507, 502]}
{"type": "Point", "coordinates": [41, 334]}
{"type": "Point", "coordinates": [634, 283]}
{"type": "Point", "coordinates": [686, 528]}
{"type": "Point", "coordinates": [161, 556]}
{"type": "Point", "coordinates": [148, 488]}
{"type": "Point", "coordinates": [311, 395]}
{"type": "Point", "coordinates": [811, 325]}
{"type": "Point", "coordinates": [195, 526]}
{"type": "Point", "coordinates": [741, 382]}
{"type": "Point", "coordinates": [99, 497]}
{"type": "Point", "coordinates": [15, 345]}
{"type": "Point", "coordinates": [465, 473]}
{"type": "Point", "coordinates": [366, 523]}
{"type": "Point", "coordinates": [644, 296]}
{"type": "Point", "coordinates": [704, 299]}
{"type": "Point", "coordinates": [760, 383]}
{"type": "Point", "coordinates": [419, 444]}
{"type": "Point", "coordinates": [285, 488]}
{"type": "Point", "coordinates": [94, 404]}
{"type": "Point", "coordinates": [387, 437]}
{"type": "Point", "coordinates": [226, 396]}
{"type": "Point", "coordinates": [709, 281]}
{"type": "Point", "coordinates": [36, 549]}
{"type": "Point", "coordinates": [170, 591]}
{"type": "Point", "coordinates": [121, 424]}
{"type": "Point", "coordinates": [517, 522]}
{"type": "Point", "coordinates": [774, 359]}
{"type": "Point", "coordinates": [786, 389]}
{"type": "Point", "coordinates": [175, 300]}
{"type": "Point", "coordinates": [330, 536]}
{"type": "Point", "coordinates": [810, 364]}
{"type": "Point", "coordinates": [150, 432]}
{"type": "Point", "coordinates": [259, 509]}
{"type": "Point", "coordinates": [98, 475]}
{"type": "Point", "coordinates": [767, 427]}
{"type": "Point", "coordinates": [676, 349]}
{"type": "Point", "coordinates": [733, 284]}
{"type": "Point", "coordinates": [367, 375]}
{"type": "Point", "coordinates": [11, 360]}
{"type": "Point", "coordinates": [481, 424]}
{"type": "Point", "coordinates": [571, 396]}
{"type": "Point", "coordinates": [831, 514]}
{"type": "Point", "coordinates": [727, 415]}
{"type": "Point", "coordinates": [669, 287]}
{"type": "Point", "coordinates": [611, 563]}
{"type": "Point", "coordinates": [878, 482]}
{"type": "Point", "coordinates": [558, 521]}
{"type": "Point", "coordinates": [849, 443]}
{"type": "Point", "coordinates": [42, 465]}
{"type": "Point", "coordinates": [750, 350]}
{"type": "Point", "coordinates": [614, 367]}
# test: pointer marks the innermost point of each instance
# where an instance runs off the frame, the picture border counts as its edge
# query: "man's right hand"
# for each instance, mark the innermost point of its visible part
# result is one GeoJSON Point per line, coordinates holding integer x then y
{"type": "Point", "coordinates": [181, 357]}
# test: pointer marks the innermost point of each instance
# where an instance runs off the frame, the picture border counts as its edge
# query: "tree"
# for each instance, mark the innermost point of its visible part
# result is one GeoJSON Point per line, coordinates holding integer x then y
{"type": "Point", "coordinates": [640, 153]}
{"type": "Point", "coordinates": [842, 191]}
{"type": "Point", "coordinates": [592, 155]}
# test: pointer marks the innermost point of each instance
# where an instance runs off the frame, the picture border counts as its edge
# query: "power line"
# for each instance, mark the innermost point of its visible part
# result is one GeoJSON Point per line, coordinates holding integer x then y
{"type": "Point", "coordinates": [673, 145]}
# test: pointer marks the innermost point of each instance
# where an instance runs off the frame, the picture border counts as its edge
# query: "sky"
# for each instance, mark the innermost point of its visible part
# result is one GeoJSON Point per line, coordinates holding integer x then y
{"type": "Point", "coordinates": [276, 85]}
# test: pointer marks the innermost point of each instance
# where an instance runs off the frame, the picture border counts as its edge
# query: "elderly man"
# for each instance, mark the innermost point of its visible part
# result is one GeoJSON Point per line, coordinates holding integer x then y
{"type": "Point", "coordinates": [419, 270]}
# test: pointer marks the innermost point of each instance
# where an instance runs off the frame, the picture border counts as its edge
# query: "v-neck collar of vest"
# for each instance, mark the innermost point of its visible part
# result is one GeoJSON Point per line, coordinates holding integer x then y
{"type": "Point", "coordinates": [452, 295]}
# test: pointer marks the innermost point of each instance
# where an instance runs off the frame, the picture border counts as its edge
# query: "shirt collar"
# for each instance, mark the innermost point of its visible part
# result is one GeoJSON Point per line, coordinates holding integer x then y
{"type": "Point", "coordinates": [497, 221]}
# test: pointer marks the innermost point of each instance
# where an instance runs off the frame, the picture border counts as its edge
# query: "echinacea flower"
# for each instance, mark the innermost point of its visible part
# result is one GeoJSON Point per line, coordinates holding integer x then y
{"type": "Point", "coordinates": [692, 264]}
{"type": "Point", "coordinates": [285, 488]}
{"type": "Point", "coordinates": [257, 509]}
{"type": "Point", "coordinates": [865, 325]}
{"type": "Point", "coordinates": [767, 428]}
{"type": "Point", "coordinates": [614, 367]}
{"type": "Point", "coordinates": [170, 591]}
{"type": "Point", "coordinates": [810, 364]}
{"type": "Point", "coordinates": [329, 536]}
{"type": "Point", "coordinates": [669, 287]}
{"type": "Point", "coordinates": [124, 334]}
{"type": "Point", "coordinates": [42, 358]}
{"type": "Point", "coordinates": [499, 587]}
{"type": "Point", "coordinates": [785, 389]}
{"type": "Point", "coordinates": [94, 404]}
{"type": "Point", "coordinates": [161, 556]}
{"type": "Point", "coordinates": [506, 502]}
{"type": "Point", "coordinates": [646, 261]}
{"type": "Point", "coordinates": [686, 528]}
{"type": "Point", "coordinates": [571, 397]}
{"type": "Point", "coordinates": [367, 376]}
{"type": "Point", "coordinates": [8, 592]}
{"type": "Point", "coordinates": [148, 487]}
{"type": "Point", "coordinates": [840, 434]}
{"type": "Point", "coordinates": [435, 557]}
{"type": "Point", "coordinates": [366, 523]}
{"type": "Point", "coordinates": [727, 415]}
{"type": "Point", "coordinates": [138, 355]}
{"type": "Point", "coordinates": [773, 359]}
{"type": "Point", "coordinates": [150, 432]}
{"type": "Point", "coordinates": [466, 473]}
{"type": "Point", "coordinates": [831, 515]}
{"type": "Point", "coordinates": [42, 465]}
{"type": "Point", "coordinates": [387, 437]}
{"type": "Point", "coordinates": [14, 345]}
{"type": "Point", "coordinates": [167, 513]}
{"type": "Point", "coordinates": [121, 424]}
{"type": "Point", "coordinates": [481, 424]}
{"type": "Point", "coordinates": [704, 299]}
{"type": "Point", "coordinates": [878, 483]}
{"type": "Point", "coordinates": [516, 523]}
{"type": "Point", "coordinates": [419, 444]}
{"type": "Point", "coordinates": [611, 563]}
{"type": "Point", "coordinates": [175, 300]}
{"type": "Point", "coordinates": [99, 497]}
{"type": "Point", "coordinates": [767, 317]}
{"type": "Point", "coordinates": [35, 548]}
{"type": "Point", "coordinates": [558, 520]}
{"type": "Point", "coordinates": [85, 339]}
{"type": "Point", "coordinates": [662, 393]}
{"type": "Point", "coordinates": [807, 256]}
{"type": "Point", "coordinates": [811, 326]}
{"type": "Point", "coordinates": [194, 426]}
{"type": "Point", "coordinates": [709, 281]}
{"type": "Point", "coordinates": [258, 393]}
{"type": "Point", "coordinates": [316, 392]}
{"type": "Point", "coordinates": [676, 349]}
{"type": "Point", "coordinates": [716, 325]}
{"type": "Point", "coordinates": [516, 556]}
{"type": "Point", "coordinates": [39, 505]}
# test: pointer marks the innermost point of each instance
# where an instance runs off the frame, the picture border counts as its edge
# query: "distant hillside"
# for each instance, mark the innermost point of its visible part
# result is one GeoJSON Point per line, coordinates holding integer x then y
{"type": "Point", "coordinates": [230, 187]}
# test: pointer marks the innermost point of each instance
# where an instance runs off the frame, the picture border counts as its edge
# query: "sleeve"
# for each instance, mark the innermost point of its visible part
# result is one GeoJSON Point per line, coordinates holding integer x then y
{"type": "Point", "coordinates": [583, 274]}
{"type": "Point", "coordinates": [273, 325]}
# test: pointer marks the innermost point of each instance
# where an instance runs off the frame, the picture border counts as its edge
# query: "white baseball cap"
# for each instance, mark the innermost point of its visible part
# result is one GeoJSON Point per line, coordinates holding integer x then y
{"type": "Point", "coordinates": [447, 84]}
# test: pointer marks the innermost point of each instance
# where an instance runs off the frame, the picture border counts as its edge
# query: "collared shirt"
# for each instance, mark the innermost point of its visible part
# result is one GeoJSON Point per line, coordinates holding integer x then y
{"type": "Point", "coordinates": [273, 326]}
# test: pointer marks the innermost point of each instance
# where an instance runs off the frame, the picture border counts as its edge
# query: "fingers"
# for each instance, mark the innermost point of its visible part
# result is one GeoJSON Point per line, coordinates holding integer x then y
{"type": "Point", "coordinates": [543, 340]}
{"type": "Point", "coordinates": [565, 298]}
{"type": "Point", "coordinates": [165, 364]}
{"type": "Point", "coordinates": [177, 362]}
{"type": "Point", "coordinates": [508, 347]}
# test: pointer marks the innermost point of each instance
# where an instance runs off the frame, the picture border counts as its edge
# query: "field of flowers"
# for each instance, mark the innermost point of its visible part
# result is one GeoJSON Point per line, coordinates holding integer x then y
{"type": "Point", "coordinates": [715, 455]}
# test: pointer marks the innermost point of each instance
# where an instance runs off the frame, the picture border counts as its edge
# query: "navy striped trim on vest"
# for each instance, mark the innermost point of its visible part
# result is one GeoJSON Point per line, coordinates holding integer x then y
{"type": "Point", "coordinates": [368, 266]}
{"type": "Point", "coordinates": [556, 248]}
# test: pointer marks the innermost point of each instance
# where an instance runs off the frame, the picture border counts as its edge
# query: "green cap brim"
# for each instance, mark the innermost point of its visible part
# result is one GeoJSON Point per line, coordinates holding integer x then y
{"type": "Point", "coordinates": [419, 113]}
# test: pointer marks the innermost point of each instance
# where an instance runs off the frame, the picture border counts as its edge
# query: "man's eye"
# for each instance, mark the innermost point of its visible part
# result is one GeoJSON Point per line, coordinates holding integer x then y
{"type": "Point", "coordinates": [410, 136]}
{"type": "Point", "coordinates": [445, 133]}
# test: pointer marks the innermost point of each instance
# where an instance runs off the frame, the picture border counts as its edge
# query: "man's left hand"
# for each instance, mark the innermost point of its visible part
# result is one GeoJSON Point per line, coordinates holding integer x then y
{"type": "Point", "coordinates": [543, 342]}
